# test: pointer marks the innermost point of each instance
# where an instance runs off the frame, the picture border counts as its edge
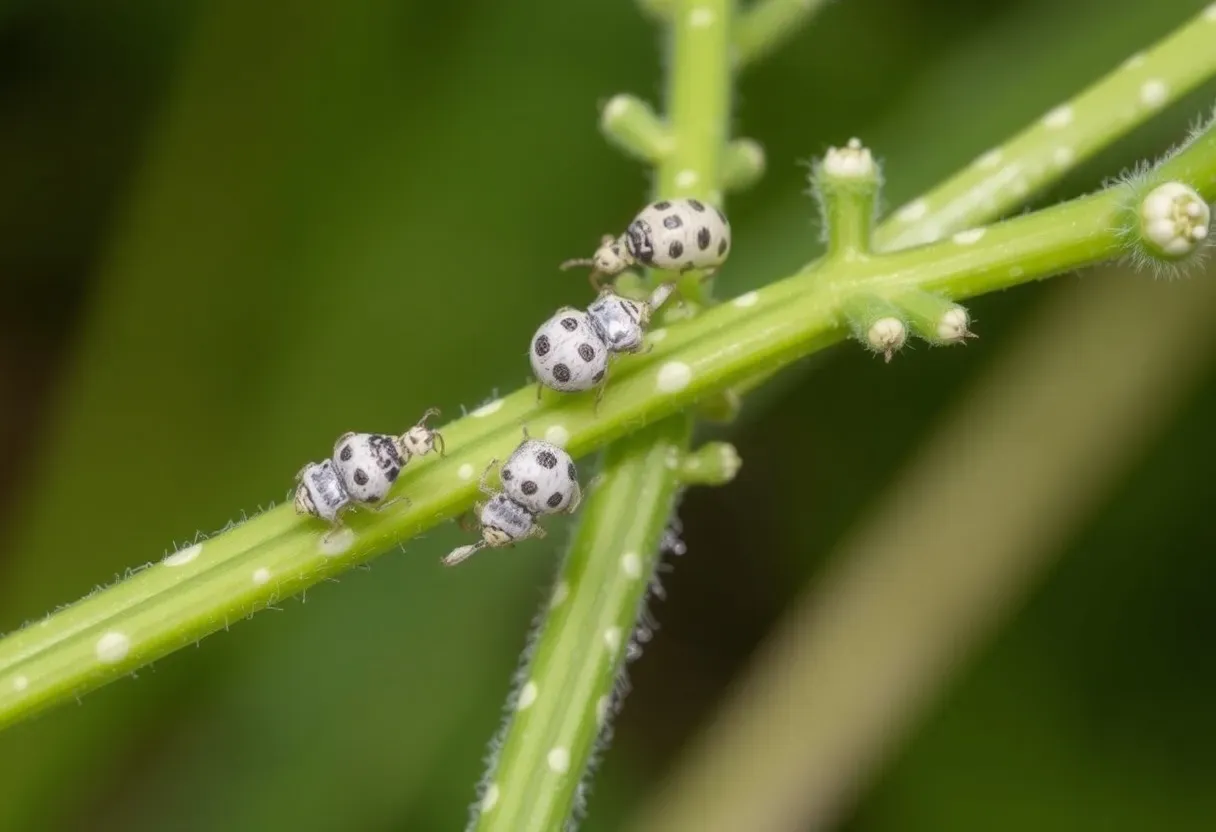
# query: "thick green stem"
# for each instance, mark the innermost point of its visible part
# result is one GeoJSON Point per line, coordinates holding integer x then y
{"type": "Point", "coordinates": [546, 753]}
{"type": "Point", "coordinates": [567, 694]}
{"type": "Point", "coordinates": [238, 572]}
{"type": "Point", "coordinates": [1005, 176]}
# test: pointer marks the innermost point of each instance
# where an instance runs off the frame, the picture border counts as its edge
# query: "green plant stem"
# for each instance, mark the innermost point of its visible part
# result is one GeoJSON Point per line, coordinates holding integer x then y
{"type": "Point", "coordinates": [534, 784]}
{"type": "Point", "coordinates": [767, 24]}
{"type": "Point", "coordinates": [908, 596]}
{"type": "Point", "coordinates": [163, 608]}
{"type": "Point", "coordinates": [1005, 176]}
{"type": "Point", "coordinates": [567, 696]}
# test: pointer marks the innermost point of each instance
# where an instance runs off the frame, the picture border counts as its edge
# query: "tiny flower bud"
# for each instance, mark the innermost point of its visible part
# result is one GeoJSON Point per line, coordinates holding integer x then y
{"type": "Point", "coordinates": [853, 161]}
{"type": "Point", "coordinates": [714, 463]}
{"type": "Point", "coordinates": [877, 323]}
{"type": "Point", "coordinates": [1174, 220]}
{"type": "Point", "coordinates": [886, 335]}
{"type": "Point", "coordinates": [952, 326]}
{"type": "Point", "coordinates": [934, 318]}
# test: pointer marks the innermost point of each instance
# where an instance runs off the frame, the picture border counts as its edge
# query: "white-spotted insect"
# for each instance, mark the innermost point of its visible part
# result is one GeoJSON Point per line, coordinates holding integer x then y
{"type": "Point", "coordinates": [361, 471]}
{"type": "Point", "coordinates": [671, 234]}
{"type": "Point", "coordinates": [571, 350]}
{"type": "Point", "coordinates": [538, 478]}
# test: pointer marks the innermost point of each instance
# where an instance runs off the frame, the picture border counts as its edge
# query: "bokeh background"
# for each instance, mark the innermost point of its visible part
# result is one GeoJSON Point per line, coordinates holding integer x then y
{"type": "Point", "coordinates": [230, 231]}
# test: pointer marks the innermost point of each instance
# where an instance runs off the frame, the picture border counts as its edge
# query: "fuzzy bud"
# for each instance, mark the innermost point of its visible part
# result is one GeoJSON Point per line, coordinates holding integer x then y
{"type": "Point", "coordinates": [1174, 221]}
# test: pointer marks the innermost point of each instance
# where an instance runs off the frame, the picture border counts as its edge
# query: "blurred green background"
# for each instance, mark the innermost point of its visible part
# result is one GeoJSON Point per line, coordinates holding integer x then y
{"type": "Point", "coordinates": [230, 231]}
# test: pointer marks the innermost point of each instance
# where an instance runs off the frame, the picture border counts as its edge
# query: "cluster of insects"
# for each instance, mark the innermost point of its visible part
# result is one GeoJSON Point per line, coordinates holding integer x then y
{"type": "Point", "coordinates": [570, 352]}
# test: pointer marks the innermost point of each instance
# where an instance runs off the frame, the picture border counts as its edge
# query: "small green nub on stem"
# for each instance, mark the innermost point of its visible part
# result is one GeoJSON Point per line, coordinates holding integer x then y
{"type": "Point", "coordinates": [876, 323]}
{"type": "Point", "coordinates": [743, 164]}
{"type": "Point", "coordinates": [934, 318]}
{"type": "Point", "coordinates": [846, 182]}
{"type": "Point", "coordinates": [632, 125]}
{"type": "Point", "coordinates": [714, 463]}
{"type": "Point", "coordinates": [721, 408]}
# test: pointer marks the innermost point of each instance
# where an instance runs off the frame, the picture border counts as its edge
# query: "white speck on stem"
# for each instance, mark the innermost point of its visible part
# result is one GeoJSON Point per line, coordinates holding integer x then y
{"type": "Point", "coordinates": [261, 576]}
{"type": "Point", "coordinates": [490, 799]}
{"type": "Point", "coordinates": [1209, 13]}
{"type": "Point", "coordinates": [465, 472]}
{"type": "Point", "coordinates": [559, 760]}
{"type": "Point", "coordinates": [1134, 61]}
{"type": "Point", "coordinates": [673, 377]}
{"type": "Point", "coordinates": [20, 683]}
{"type": "Point", "coordinates": [183, 556]}
{"type": "Point", "coordinates": [969, 237]}
{"type": "Point", "coordinates": [601, 709]}
{"type": "Point", "coordinates": [631, 564]}
{"type": "Point", "coordinates": [700, 17]}
{"type": "Point", "coordinates": [560, 592]}
{"type": "Point", "coordinates": [335, 543]}
{"type": "Point", "coordinates": [1154, 92]}
{"type": "Point", "coordinates": [686, 178]}
{"type": "Point", "coordinates": [527, 695]}
{"type": "Point", "coordinates": [557, 435]}
{"type": "Point", "coordinates": [612, 638]}
{"type": "Point", "coordinates": [112, 647]}
{"type": "Point", "coordinates": [487, 409]}
{"type": "Point", "coordinates": [1062, 156]}
{"type": "Point", "coordinates": [746, 300]}
{"type": "Point", "coordinates": [1059, 118]}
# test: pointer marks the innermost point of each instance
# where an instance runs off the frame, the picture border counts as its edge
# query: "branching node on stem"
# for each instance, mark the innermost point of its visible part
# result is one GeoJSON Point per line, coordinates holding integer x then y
{"type": "Point", "coordinates": [846, 183]}
{"type": "Point", "coordinates": [631, 124]}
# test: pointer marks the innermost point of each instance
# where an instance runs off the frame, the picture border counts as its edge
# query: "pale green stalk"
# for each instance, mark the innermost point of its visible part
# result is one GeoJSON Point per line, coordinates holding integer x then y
{"type": "Point", "coordinates": [1006, 176]}
{"type": "Point", "coordinates": [534, 784]}
{"type": "Point", "coordinates": [567, 696]}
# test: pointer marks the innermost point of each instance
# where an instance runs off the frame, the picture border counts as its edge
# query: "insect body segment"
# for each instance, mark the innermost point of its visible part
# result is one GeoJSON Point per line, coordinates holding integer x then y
{"type": "Point", "coordinates": [320, 492]}
{"type": "Point", "coordinates": [361, 470]}
{"type": "Point", "coordinates": [570, 351]}
{"type": "Point", "coordinates": [672, 235]}
{"type": "Point", "coordinates": [538, 478]}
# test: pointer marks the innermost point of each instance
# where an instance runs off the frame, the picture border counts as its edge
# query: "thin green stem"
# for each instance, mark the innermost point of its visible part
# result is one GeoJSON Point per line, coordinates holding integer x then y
{"type": "Point", "coordinates": [1005, 176]}
{"type": "Point", "coordinates": [846, 183]}
{"type": "Point", "coordinates": [767, 24]}
{"type": "Point", "coordinates": [240, 571]}
{"type": "Point", "coordinates": [568, 694]}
